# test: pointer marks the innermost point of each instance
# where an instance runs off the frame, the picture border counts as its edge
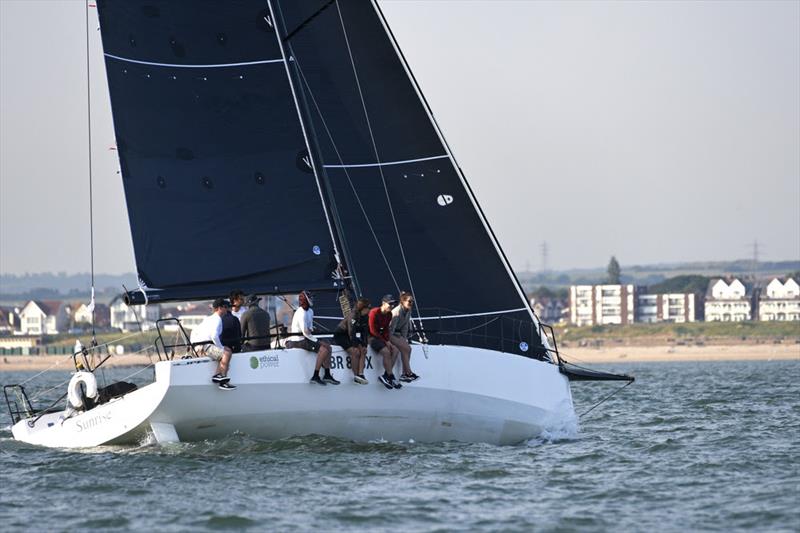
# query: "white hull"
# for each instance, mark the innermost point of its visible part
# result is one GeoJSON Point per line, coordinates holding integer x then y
{"type": "Point", "coordinates": [465, 394]}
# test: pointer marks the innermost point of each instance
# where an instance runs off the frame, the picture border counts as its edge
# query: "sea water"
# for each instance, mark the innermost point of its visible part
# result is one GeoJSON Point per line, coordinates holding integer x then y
{"type": "Point", "coordinates": [688, 446]}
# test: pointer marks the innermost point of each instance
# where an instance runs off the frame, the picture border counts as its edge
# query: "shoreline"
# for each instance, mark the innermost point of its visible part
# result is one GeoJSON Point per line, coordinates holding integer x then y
{"type": "Point", "coordinates": [613, 354]}
{"type": "Point", "coordinates": [671, 353]}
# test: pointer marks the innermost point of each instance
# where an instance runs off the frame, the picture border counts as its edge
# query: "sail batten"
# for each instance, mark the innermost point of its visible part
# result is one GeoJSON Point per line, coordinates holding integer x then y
{"type": "Point", "coordinates": [184, 65]}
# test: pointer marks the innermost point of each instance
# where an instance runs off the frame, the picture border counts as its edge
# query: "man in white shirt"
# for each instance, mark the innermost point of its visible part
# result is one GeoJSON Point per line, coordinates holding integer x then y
{"type": "Point", "coordinates": [303, 323]}
{"type": "Point", "coordinates": [205, 337]}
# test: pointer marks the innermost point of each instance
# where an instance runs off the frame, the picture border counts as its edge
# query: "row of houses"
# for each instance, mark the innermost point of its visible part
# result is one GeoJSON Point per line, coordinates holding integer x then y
{"type": "Point", "coordinates": [728, 300]}
{"type": "Point", "coordinates": [51, 317]}
{"type": "Point", "coordinates": [725, 300]}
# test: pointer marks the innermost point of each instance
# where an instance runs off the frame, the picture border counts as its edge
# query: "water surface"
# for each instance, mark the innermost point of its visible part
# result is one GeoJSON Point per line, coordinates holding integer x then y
{"type": "Point", "coordinates": [701, 446]}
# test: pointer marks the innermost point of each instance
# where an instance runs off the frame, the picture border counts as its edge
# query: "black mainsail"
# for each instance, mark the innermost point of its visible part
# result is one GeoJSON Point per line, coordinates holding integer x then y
{"type": "Point", "coordinates": [215, 167]}
{"type": "Point", "coordinates": [279, 104]}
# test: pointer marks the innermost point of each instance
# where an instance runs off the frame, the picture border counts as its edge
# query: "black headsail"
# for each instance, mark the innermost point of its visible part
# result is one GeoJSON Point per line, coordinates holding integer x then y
{"type": "Point", "coordinates": [406, 212]}
{"type": "Point", "coordinates": [217, 174]}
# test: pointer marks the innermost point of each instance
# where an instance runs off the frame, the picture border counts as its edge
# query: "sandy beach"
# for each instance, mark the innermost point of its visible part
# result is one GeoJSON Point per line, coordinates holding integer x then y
{"type": "Point", "coordinates": [740, 352]}
{"type": "Point", "coordinates": [615, 354]}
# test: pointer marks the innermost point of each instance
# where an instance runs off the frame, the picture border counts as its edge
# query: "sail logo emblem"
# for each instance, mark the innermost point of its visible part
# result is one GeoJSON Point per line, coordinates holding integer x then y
{"type": "Point", "coordinates": [303, 162]}
{"type": "Point", "coordinates": [444, 200]}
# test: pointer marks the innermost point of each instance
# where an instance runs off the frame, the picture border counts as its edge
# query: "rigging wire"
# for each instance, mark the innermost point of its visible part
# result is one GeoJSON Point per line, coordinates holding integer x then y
{"type": "Point", "coordinates": [604, 399]}
{"type": "Point", "coordinates": [374, 146]}
{"type": "Point", "coordinates": [347, 174]}
{"type": "Point", "coordinates": [91, 204]}
{"type": "Point", "coordinates": [380, 168]}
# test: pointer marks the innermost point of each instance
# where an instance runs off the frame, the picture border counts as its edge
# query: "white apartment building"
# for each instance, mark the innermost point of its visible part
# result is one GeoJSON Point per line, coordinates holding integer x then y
{"type": "Point", "coordinates": [727, 302]}
{"type": "Point", "coordinates": [780, 301]}
{"type": "Point", "coordinates": [671, 307]}
{"type": "Point", "coordinates": [591, 305]}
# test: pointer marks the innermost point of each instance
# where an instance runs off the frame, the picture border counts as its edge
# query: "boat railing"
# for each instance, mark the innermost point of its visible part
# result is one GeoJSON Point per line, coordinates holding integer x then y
{"type": "Point", "coordinates": [18, 403]}
{"type": "Point", "coordinates": [166, 352]}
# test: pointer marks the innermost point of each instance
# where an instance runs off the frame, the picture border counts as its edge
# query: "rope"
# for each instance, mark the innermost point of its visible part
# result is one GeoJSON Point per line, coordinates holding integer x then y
{"type": "Point", "coordinates": [58, 362]}
{"type": "Point", "coordinates": [470, 329]}
{"type": "Point", "coordinates": [603, 400]}
{"type": "Point", "coordinates": [42, 393]}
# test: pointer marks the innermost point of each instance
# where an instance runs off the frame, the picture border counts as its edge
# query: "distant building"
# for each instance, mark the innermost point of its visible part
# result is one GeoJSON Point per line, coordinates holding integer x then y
{"type": "Point", "coordinates": [9, 320]}
{"type": "Point", "coordinates": [671, 307]}
{"type": "Point", "coordinates": [550, 310]}
{"type": "Point", "coordinates": [591, 305]}
{"type": "Point", "coordinates": [134, 317]}
{"type": "Point", "coordinates": [189, 315]}
{"type": "Point", "coordinates": [779, 301]}
{"type": "Point", "coordinates": [43, 317]}
{"type": "Point", "coordinates": [728, 301]}
{"type": "Point", "coordinates": [83, 316]}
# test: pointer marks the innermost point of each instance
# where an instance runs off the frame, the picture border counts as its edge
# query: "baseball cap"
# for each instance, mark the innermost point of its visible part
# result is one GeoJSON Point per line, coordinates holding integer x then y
{"type": "Point", "coordinates": [253, 299]}
{"type": "Point", "coordinates": [388, 298]}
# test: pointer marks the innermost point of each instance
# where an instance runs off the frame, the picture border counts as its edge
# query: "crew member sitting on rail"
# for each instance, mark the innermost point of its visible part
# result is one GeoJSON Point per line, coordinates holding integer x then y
{"type": "Point", "coordinates": [351, 334]}
{"type": "Point", "coordinates": [379, 320]}
{"type": "Point", "coordinates": [255, 324]}
{"type": "Point", "coordinates": [400, 331]}
{"type": "Point", "coordinates": [231, 336]}
{"type": "Point", "coordinates": [303, 323]}
{"type": "Point", "coordinates": [206, 336]}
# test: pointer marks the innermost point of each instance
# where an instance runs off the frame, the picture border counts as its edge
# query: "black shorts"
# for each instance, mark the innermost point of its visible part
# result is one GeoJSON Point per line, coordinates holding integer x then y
{"type": "Point", "coordinates": [307, 344]}
{"type": "Point", "coordinates": [377, 344]}
{"type": "Point", "coordinates": [343, 340]}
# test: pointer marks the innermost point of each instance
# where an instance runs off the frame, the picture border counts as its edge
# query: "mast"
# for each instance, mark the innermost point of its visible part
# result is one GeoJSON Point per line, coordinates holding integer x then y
{"type": "Point", "coordinates": [344, 264]}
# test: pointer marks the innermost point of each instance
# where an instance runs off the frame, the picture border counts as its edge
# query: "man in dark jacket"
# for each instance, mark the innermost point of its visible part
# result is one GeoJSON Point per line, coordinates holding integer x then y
{"type": "Point", "coordinates": [231, 336]}
{"type": "Point", "coordinates": [255, 323]}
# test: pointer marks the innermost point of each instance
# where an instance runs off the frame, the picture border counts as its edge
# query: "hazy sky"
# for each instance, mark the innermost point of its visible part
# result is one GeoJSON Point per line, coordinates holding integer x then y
{"type": "Point", "coordinates": [655, 131]}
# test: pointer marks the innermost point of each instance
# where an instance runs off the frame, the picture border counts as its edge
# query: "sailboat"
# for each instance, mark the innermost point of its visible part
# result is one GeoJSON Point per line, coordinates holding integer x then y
{"type": "Point", "coordinates": [283, 146]}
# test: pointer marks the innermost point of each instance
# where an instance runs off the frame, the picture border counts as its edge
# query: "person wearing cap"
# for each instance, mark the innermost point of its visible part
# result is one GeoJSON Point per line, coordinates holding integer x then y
{"type": "Point", "coordinates": [238, 308]}
{"type": "Point", "coordinates": [206, 337]}
{"type": "Point", "coordinates": [379, 320]}
{"type": "Point", "coordinates": [400, 334]}
{"type": "Point", "coordinates": [255, 326]}
{"type": "Point", "coordinates": [303, 323]}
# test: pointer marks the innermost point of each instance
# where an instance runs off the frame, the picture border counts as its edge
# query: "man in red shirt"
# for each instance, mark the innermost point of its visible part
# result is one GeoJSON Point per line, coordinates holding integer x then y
{"type": "Point", "coordinates": [379, 319]}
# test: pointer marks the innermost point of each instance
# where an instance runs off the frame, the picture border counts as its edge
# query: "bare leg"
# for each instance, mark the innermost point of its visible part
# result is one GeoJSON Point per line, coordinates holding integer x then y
{"type": "Point", "coordinates": [224, 362]}
{"type": "Point", "coordinates": [388, 360]}
{"type": "Point", "coordinates": [323, 357]}
{"type": "Point", "coordinates": [362, 358]}
{"type": "Point", "coordinates": [405, 352]}
{"type": "Point", "coordinates": [355, 353]}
